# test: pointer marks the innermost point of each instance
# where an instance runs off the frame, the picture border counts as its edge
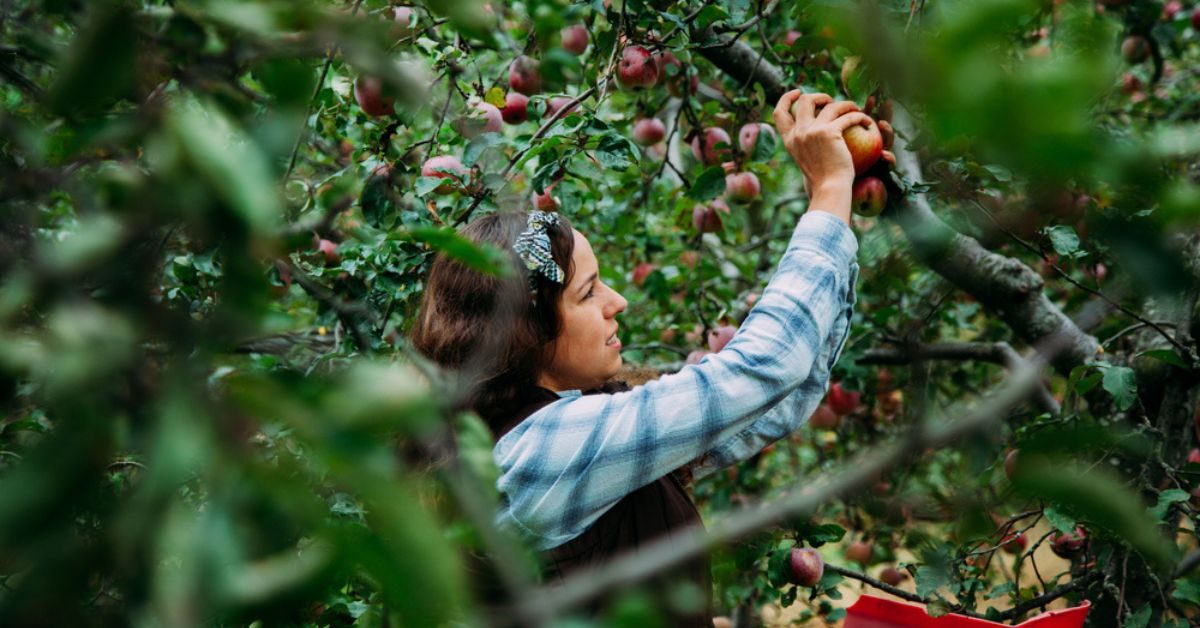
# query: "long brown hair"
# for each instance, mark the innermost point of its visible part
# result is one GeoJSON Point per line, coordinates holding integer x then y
{"type": "Point", "coordinates": [493, 331]}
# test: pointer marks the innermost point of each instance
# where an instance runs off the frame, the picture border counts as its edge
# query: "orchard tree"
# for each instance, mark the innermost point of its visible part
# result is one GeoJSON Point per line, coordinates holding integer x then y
{"type": "Point", "coordinates": [218, 217]}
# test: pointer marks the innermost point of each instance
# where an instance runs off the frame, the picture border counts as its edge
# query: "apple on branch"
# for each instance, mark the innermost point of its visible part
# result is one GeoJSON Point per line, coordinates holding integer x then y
{"type": "Point", "coordinates": [445, 167]}
{"type": "Point", "coordinates": [368, 92]}
{"type": "Point", "coordinates": [649, 131]}
{"type": "Point", "coordinates": [807, 566]}
{"type": "Point", "coordinates": [712, 146]}
{"type": "Point", "coordinates": [637, 68]}
{"type": "Point", "coordinates": [523, 76]}
{"type": "Point", "coordinates": [516, 108]}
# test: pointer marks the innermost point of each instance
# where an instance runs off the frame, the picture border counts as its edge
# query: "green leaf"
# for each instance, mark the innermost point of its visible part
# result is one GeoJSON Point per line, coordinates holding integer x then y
{"type": "Point", "coordinates": [231, 163]}
{"type": "Point", "coordinates": [616, 152]}
{"type": "Point", "coordinates": [1140, 618]}
{"type": "Point", "coordinates": [1098, 497]}
{"type": "Point", "coordinates": [1061, 521]}
{"type": "Point", "coordinates": [486, 259]}
{"type": "Point", "coordinates": [709, 185]}
{"type": "Point", "coordinates": [100, 64]}
{"type": "Point", "coordinates": [1165, 499]}
{"type": "Point", "coordinates": [1121, 383]}
{"type": "Point", "coordinates": [764, 146]}
{"type": "Point", "coordinates": [1065, 241]}
{"type": "Point", "coordinates": [929, 579]}
{"type": "Point", "coordinates": [479, 145]}
{"type": "Point", "coordinates": [1187, 590]}
{"type": "Point", "coordinates": [1166, 355]}
{"type": "Point", "coordinates": [712, 12]}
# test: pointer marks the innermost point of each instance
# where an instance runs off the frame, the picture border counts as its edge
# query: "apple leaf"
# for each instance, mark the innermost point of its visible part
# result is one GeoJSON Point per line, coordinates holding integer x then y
{"type": "Point", "coordinates": [1139, 619]}
{"type": "Point", "coordinates": [765, 146]}
{"type": "Point", "coordinates": [709, 184]}
{"type": "Point", "coordinates": [1098, 497]}
{"type": "Point", "coordinates": [1065, 241]}
{"type": "Point", "coordinates": [1165, 499]}
{"type": "Point", "coordinates": [1120, 382]}
{"type": "Point", "coordinates": [929, 579]}
{"type": "Point", "coordinates": [485, 259]}
{"type": "Point", "coordinates": [1166, 355]}
{"type": "Point", "coordinates": [1187, 591]}
{"type": "Point", "coordinates": [1061, 522]}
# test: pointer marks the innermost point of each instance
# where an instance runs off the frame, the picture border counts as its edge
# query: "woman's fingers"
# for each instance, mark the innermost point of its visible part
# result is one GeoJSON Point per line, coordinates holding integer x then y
{"type": "Point", "coordinates": [854, 118]}
{"type": "Point", "coordinates": [805, 109]}
{"type": "Point", "coordinates": [783, 112]}
{"type": "Point", "coordinates": [889, 157]}
{"type": "Point", "coordinates": [831, 112]}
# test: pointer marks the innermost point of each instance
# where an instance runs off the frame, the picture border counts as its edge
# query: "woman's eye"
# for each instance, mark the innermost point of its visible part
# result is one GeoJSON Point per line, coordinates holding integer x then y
{"type": "Point", "coordinates": [590, 292]}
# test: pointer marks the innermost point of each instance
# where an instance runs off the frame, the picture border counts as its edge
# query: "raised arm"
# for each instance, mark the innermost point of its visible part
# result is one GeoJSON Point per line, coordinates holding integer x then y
{"type": "Point", "coordinates": [794, 410]}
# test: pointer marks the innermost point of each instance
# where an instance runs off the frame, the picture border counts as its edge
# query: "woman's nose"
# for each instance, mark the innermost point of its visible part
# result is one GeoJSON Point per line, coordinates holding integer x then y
{"type": "Point", "coordinates": [618, 304]}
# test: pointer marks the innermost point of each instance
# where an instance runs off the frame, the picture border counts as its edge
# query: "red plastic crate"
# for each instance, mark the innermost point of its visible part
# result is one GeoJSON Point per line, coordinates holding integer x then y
{"type": "Point", "coordinates": [876, 612]}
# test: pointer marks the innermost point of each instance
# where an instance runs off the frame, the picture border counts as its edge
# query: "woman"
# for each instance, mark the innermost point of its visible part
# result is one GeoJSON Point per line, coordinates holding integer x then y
{"type": "Point", "coordinates": [588, 466]}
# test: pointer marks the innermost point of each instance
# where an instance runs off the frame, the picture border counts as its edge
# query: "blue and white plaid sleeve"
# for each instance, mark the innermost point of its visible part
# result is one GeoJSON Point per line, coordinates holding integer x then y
{"type": "Point", "coordinates": [565, 465]}
{"type": "Point", "coordinates": [794, 411]}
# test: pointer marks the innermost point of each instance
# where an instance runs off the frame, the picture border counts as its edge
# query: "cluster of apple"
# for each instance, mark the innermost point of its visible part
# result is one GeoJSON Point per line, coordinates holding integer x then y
{"type": "Point", "coordinates": [867, 144]}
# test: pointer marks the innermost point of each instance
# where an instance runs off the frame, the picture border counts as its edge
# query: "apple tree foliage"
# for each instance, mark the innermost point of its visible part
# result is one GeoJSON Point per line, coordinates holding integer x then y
{"type": "Point", "coordinates": [216, 228]}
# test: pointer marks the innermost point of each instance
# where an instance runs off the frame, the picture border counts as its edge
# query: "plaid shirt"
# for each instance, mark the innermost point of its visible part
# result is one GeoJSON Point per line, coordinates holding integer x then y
{"type": "Point", "coordinates": [566, 464]}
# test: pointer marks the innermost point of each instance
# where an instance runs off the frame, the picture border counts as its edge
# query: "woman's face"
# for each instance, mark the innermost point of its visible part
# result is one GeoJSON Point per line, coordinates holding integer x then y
{"type": "Point", "coordinates": [587, 351]}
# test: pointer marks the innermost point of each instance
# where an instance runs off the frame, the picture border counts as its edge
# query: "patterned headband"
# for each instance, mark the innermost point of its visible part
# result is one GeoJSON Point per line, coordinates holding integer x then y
{"type": "Point", "coordinates": [533, 246]}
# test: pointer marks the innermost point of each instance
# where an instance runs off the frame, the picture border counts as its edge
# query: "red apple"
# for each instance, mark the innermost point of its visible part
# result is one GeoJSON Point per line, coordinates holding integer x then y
{"type": "Point", "coordinates": [719, 337]}
{"type": "Point", "coordinates": [516, 108]}
{"type": "Point", "coordinates": [741, 187]}
{"type": "Point", "coordinates": [328, 248]}
{"type": "Point", "coordinates": [1135, 49]}
{"type": "Point", "coordinates": [447, 167]}
{"type": "Point", "coordinates": [707, 218]}
{"type": "Point", "coordinates": [523, 76]}
{"type": "Point", "coordinates": [1010, 463]}
{"type": "Point", "coordinates": [695, 356]}
{"type": "Point", "coordinates": [714, 148]}
{"type": "Point", "coordinates": [1014, 543]}
{"type": "Point", "coordinates": [558, 102]}
{"type": "Point", "coordinates": [1171, 9]}
{"type": "Point", "coordinates": [823, 418]}
{"type": "Point", "coordinates": [575, 39]}
{"type": "Point", "coordinates": [1193, 456]}
{"type": "Point", "coordinates": [641, 271]}
{"type": "Point", "coordinates": [860, 552]}
{"type": "Point", "coordinates": [481, 118]}
{"type": "Point", "coordinates": [866, 146]}
{"type": "Point", "coordinates": [807, 566]}
{"type": "Point", "coordinates": [891, 575]}
{"type": "Point", "coordinates": [1069, 545]}
{"type": "Point", "coordinates": [748, 136]}
{"type": "Point", "coordinates": [368, 91]}
{"type": "Point", "coordinates": [1196, 18]}
{"type": "Point", "coordinates": [842, 401]}
{"type": "Point", "coordinates": [668, 335]}
{"type": "Point", "coordinates": [690, 257]}
{"type": "Point", "coordinates": [403, 17]}
{"type": "Point", "coordinates": [544, 201]}
{"type": "Point", "coordinates": [791, 38]}
{"type": "Point", "coordinates": [637, 68]}
{"type": "Point", "coordinates": [868, 197]}
{"type": "Point", "coordinates": [649, 131]}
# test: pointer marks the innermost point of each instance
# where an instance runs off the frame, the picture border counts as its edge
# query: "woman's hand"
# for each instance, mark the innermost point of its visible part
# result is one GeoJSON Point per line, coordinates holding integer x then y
{"type": "Point", "coordinates": [814, 139]}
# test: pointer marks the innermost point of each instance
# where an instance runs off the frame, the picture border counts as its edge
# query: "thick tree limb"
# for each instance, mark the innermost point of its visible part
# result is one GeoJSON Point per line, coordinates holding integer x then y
{"type": "Point", "coordinates": [1004, 285]}
{"type": "Point", "coordinates": [1000, 353]}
